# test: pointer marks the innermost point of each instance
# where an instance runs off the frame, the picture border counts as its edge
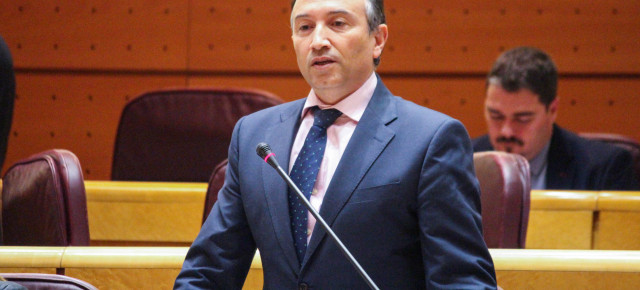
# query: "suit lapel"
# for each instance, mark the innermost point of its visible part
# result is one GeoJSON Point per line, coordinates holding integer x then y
{"type": "Point", "coordinates": [368, 141]}
{"type": "Point", "coordinates": [560, 171]}
{"type": "Point", "coordinates": [280, 138]}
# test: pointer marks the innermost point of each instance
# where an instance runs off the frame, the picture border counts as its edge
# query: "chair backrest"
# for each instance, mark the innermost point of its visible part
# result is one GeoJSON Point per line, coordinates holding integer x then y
{"type": "Point", "coordinates": [44, 201]}
{"type": "Point", "coordinates": [47, 281]}
{"type": "Point", "coordinates": [625, 142]}
{"type": "Point", "coordinates": [215, 184]}
{"type": "Point", "coordinates": [505, 185]}
{"type": "Point", "coordinates": [180, 134]}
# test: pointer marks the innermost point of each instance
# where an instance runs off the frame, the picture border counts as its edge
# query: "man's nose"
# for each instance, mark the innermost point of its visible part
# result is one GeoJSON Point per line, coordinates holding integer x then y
{"type": "Point", "coordinates": [320, 39]}
{"type": "Point", "coordinates": [506, 130]}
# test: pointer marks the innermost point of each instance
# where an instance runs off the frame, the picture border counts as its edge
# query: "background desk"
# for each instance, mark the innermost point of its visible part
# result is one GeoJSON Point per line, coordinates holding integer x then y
{"type": "Point", "coordinates": [144, 213]}
{"type": "Point", "coordinates": [170, 214]}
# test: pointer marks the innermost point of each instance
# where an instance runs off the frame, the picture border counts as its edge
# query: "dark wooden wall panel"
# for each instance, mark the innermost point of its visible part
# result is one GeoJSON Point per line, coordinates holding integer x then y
{"type": "Point", "coordinates": [463, 36]}
{"type": "Point", "coordinates": [288, 88]}
{"type": "Point", "coordinates": [600, 105]}
{"type": "Point", "coordinates": [241, 35]}
{"type": "Point", "coordinates": [97, 34]}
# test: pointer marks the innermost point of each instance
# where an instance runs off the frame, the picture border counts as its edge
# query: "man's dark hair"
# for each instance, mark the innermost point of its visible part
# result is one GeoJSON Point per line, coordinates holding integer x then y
{"type": "Point", "coordinates": [526, 68]}
{"type": "Point", "coordinates": [375, 17]}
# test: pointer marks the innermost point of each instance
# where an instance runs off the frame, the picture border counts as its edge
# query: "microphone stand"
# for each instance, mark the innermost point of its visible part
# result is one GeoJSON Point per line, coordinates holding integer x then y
{"type": "Point", "coordinates": [269, 157]}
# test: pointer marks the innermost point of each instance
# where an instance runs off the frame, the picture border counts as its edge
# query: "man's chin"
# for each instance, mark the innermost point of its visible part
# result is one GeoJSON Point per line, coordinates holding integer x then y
{"type": "Point", "coordinates": [509, 149]}
{"type": "Point", "coordinates": [323, 81]}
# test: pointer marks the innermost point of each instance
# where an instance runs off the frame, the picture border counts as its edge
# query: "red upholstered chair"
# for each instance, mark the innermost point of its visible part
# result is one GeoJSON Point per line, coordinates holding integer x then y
{"type": "Point", "coordinates": [47, 281]}
{"type": "Point", "coordinates": [505, 185]}
{"type": "Point", "coordinates": [44, 201]}
{"type": "Point", "coordinates": [625, 142]}
{"type": "Point", "coordinates": [215, 184]}
{"type": "Point", "coordinates": [180, 134]}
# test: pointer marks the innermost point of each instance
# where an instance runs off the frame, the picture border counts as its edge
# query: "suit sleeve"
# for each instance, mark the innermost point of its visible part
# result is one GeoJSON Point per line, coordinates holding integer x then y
{"type": "Point", "coordinates": [221, 255]}
{"type": "Point", "coordinates": [453, 248]}
{"type": "Point", "coordinates": [619, 173]}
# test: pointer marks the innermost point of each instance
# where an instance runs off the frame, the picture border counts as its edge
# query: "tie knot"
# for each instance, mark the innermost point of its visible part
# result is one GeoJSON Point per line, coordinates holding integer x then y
{"type": "Point", "coordinates": [324, 118]}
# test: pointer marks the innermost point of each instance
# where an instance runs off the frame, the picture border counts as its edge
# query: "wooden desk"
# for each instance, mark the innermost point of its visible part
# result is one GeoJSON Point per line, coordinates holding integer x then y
{"type": "Point", "coordinates": [157, 267]}
{"type": "Point", "coordinates": [170, 214]}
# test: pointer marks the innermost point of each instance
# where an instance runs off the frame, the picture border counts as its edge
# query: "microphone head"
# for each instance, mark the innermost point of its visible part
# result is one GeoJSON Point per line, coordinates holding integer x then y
{"type": "Point", "coordinates": [263, 149]}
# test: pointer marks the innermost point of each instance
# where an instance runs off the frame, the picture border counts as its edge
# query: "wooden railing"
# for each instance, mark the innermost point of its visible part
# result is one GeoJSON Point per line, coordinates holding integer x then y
{"type": "Point", "coordinates": [157, 267]}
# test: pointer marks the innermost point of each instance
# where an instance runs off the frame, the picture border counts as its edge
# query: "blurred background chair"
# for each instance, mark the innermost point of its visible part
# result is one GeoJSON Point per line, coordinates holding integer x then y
{"type": "Point", "coordinates": [44, 201]}
{"type": "Point", "coordinates": [180, 134]}
{"type": "Point", "coordinates": [505, 185]}
{"type": "Point", "coordinates": [47, 281]}
{"type": "Point", "coordinates": [625, 142]}
{"type": "Point", "coordinates": [215, 184]}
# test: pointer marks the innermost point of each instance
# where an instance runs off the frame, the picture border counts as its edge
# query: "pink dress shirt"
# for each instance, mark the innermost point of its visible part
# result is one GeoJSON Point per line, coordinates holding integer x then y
{"type": "Point", "coordinates": [338, 135]}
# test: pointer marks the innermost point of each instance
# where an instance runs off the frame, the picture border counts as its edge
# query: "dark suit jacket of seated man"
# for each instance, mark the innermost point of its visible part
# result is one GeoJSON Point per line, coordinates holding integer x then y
{"type": "Point", "coordinates": [581, 164]}
{"type": "Point", "coordinates": [404, 197]}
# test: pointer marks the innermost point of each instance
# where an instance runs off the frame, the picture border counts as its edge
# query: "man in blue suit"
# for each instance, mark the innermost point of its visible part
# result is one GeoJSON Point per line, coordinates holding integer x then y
{"type": "Point", "coordinates": [396, 180]}
{"type": "Point", "coordinates": [520, 110]}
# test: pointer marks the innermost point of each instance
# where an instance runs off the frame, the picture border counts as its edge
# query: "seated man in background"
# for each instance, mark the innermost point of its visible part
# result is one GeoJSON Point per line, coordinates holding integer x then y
{"type": "Point", "coordinates": [520, 110]}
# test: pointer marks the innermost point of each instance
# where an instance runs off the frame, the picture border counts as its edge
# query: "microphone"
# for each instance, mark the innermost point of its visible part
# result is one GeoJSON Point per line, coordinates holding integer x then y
{"type": "Point", "coordinates": [264, 151]}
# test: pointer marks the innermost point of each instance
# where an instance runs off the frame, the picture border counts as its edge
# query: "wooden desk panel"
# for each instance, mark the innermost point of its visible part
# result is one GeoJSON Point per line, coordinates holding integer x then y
{"type": "Point", "coordinates": [561, 219]}
{"type": "Point", "coordinates": [567, 280]}
{"type": "Point", "coordinates": [144, 211]}
{"type": "Point", "coordinates": [169, 214]}
{"type": "Point", "coordinates": [618, 221]}
{"type": "Point", "coordinates": [157, 267]}
{"type": "Point", "coordinates": [555, 229]}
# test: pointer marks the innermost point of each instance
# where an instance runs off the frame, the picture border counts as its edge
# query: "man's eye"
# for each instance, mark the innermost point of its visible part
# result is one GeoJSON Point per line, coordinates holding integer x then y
{"type": "Point", "coordinates": [304, 27]}
{"type": "Point", "coordinates": [523, 120]}
{"type": "Point", "coordinates": [338, 23]}
{"type": "Point", "coordinates": [496, 117]}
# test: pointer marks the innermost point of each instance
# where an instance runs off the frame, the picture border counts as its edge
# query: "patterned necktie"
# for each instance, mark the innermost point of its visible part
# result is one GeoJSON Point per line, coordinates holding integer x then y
{"type": "Point", "coordinates": [304, 173]}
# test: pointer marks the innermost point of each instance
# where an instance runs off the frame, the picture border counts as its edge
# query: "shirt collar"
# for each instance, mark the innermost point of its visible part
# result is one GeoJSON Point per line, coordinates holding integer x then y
{"type": "Point", "coordinates": [538, 163]}
{"type": "Point", "coordinates": [352, 106]}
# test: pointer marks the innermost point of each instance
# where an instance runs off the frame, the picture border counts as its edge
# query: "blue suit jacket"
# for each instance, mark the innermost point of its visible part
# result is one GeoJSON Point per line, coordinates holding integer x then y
{"type": "Point", "coordinates": [404, 199]}
{"type": "Point", "coordinates": [581, 164]}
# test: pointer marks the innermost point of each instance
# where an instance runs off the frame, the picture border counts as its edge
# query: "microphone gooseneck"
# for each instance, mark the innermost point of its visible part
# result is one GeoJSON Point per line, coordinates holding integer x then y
{"type": "Point", "coordinates": [264, 151]}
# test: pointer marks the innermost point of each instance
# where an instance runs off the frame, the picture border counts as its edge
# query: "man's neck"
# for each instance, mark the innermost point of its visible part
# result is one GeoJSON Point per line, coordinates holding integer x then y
{"type": "Point", "coordinates": [332, 96]}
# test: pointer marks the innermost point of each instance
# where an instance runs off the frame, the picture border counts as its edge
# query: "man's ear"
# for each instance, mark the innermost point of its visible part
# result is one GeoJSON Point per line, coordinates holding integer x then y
{"type": "Point", "coordinates": [380, 35]}
{"type": "Point", "coordinates": [553, 108]}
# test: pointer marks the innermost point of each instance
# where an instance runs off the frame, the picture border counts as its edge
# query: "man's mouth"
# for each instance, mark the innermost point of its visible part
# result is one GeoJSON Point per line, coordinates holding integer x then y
{"type": "Point", "coordinates": [506, 141]}
{"type": "Point", "coordinates": [322, 61]}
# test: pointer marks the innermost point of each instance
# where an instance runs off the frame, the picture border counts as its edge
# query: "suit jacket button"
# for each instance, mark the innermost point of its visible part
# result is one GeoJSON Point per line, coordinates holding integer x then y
{"type": "Point", "coordinates": [303, 286]}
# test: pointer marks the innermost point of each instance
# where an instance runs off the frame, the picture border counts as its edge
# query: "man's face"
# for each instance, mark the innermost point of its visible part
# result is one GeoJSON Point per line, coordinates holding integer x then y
{"type": "Point", "coordinates": [334, 48]}
{"type": "Point", "coordinates": [517, 121]}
